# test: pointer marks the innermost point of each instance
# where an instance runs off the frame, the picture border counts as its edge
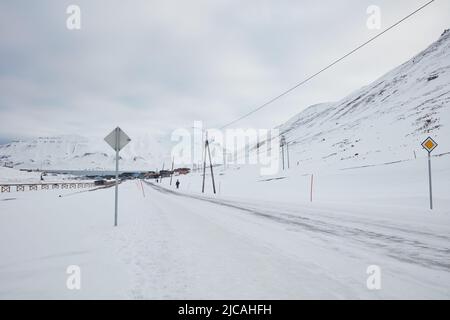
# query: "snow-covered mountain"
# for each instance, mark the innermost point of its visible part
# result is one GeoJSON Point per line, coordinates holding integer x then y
{"type": "Point", "coordinates": [76, 152]}
{"type": "Point", "coordinates": [385, 121]}
{"type": "Point", "coordinates": [381, 122]}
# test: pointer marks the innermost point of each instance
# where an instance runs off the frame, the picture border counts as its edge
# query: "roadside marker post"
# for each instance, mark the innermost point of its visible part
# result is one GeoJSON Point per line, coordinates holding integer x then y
{"type": "Point", "coordinates": [429, 145]}
{"type": "Point", "coordinates": [117, 139]}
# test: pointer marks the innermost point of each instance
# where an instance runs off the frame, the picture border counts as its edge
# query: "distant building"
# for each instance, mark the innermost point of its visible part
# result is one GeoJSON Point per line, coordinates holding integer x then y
{"type": "Point", "coordinates": [165, 173]}
{"type": "Point", "coordinates": [182, 171]}
{"type": "Point", "coordinates": [151, 175]}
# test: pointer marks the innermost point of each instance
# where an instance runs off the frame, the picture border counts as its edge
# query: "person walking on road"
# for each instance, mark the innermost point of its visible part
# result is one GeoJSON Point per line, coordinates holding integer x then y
{"type": "Point", "coordinates": [177, 184]}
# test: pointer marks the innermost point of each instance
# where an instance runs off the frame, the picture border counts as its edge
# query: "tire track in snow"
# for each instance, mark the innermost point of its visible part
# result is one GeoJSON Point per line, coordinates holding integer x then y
{"type": "Point", "coordinates": [145, 249]}
{"type": "Point", "coordinates": [401, 247]}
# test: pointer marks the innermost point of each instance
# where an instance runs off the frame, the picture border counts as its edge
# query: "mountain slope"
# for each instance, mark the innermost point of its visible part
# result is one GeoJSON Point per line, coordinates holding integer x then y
{"type": "Point", "coordinates": [384, 121]}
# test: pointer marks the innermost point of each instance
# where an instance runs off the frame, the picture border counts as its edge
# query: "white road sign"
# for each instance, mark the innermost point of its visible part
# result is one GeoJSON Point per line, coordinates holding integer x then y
{"type": "Point", "coordinates": [117, 143]}
{"type": "Point", "coordinates": [117, 139]}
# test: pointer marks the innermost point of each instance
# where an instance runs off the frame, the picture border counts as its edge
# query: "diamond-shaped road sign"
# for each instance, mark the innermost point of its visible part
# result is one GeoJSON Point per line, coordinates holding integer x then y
{"type": "Point", "coordinates": [117, 139]}
{"type": "Point", "coordinates": [429, 144]}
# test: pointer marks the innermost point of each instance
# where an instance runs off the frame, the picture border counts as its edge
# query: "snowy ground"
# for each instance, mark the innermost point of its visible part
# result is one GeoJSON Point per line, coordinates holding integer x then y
{"type": "Point", "coordinates": [14, 176]}
{"type": "Point", "coordinates": [276, 245]}
{"type": "Point", "coordinates": [397, 185]}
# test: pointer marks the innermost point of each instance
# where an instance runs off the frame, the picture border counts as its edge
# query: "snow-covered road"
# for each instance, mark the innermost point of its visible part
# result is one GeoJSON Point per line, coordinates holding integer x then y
{"type": "Point", "coordinates": [411, 244]}
{"type": "Point", "coordinates": [178, 245]}
{"type": "Point", "coordinates": [321, 248]}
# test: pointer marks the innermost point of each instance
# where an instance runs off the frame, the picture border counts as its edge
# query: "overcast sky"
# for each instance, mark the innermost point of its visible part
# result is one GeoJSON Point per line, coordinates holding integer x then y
{"type": "Point", "coordinates": [154, 66]}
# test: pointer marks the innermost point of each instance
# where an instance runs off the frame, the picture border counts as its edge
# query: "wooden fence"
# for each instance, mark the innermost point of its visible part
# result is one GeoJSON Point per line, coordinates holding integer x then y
{"type": "Point", "coordinates": [44, 186]}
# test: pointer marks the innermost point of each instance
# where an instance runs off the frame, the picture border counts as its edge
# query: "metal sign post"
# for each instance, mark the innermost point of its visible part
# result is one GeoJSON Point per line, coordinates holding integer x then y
{"type": "Point", "coordinates": [429, 144]}
{"type": "Point", "coordinates": [117, 139]}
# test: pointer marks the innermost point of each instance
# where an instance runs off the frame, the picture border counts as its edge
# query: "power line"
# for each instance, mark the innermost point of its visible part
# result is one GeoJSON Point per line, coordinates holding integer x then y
{"type": "Point", "coordinates": [327, 67]}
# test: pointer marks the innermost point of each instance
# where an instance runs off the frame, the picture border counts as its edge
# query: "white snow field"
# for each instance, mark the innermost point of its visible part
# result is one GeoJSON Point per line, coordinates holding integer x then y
{"type": "Point", "coordinates": [236, 245]}
{"type": "Point", "coordinates": [9, 175]}
{"type": "Point", "coordinates": [14, 176]}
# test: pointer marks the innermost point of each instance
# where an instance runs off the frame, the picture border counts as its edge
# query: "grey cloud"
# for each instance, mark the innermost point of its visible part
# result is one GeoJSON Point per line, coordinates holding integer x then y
{"type": "Point", "coordinates": [153, 66]}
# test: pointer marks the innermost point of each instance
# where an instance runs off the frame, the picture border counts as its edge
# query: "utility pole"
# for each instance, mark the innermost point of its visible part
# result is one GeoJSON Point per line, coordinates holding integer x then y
{"type": "Point", "coordinates": [211, 167]}
{"type": "Point", "coordinates": [171, 173]}
{"type": "Point", "coordinates": [224, 158]}
{"type": "Point", "coordinates": [207, 149]}
{"type": "Point", "coordinates": [161, 173]}
{"type": "Point", "coordinates": [204, 164]}
{"type": "Point", "coordinates": [282, 143]}
{"type": "Point", "coordinates": [287, 153]}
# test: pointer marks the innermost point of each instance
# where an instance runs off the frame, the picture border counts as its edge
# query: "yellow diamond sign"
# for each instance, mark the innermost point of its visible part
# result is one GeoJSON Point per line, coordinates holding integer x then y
{"type": "Point", "coordinates": [429, 144]}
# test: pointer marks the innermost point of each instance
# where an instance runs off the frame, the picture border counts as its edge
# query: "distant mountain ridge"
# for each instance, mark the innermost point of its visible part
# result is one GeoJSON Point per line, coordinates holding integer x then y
{"type": "Point", "coordinates": [76, 152]}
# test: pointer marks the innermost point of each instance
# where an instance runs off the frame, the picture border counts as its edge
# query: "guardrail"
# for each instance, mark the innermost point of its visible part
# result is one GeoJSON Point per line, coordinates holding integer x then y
{"type": "Point", "coordinates": [21, 187]}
